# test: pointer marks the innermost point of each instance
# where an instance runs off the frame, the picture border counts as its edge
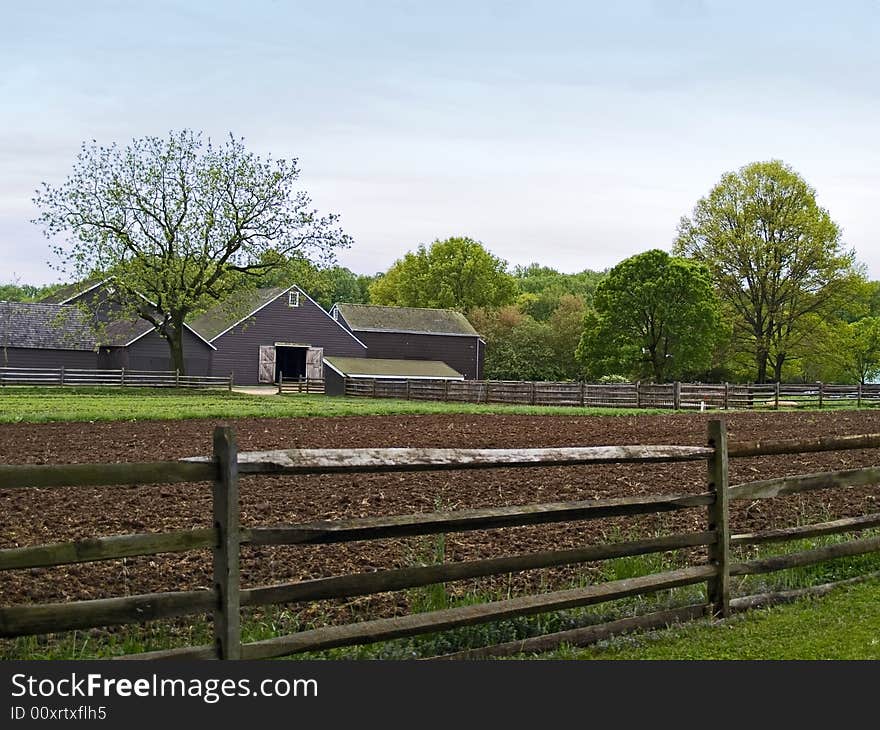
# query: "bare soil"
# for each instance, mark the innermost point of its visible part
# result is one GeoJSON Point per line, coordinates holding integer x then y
{"type": "Point", "coordinates": [31, 516]}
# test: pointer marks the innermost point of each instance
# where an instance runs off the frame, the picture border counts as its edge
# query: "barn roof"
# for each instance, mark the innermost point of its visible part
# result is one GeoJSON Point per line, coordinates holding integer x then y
{"type": "Point", "coordinates": [374, 367]}
{"type": "Point", "coordinates": [234, 310]}
{"type": "Point", "coordinates": [45, 326]}
{"type": "Point", "coordinates": [417, 320]}
{"type": "Point", "coordinates": [72, 291]}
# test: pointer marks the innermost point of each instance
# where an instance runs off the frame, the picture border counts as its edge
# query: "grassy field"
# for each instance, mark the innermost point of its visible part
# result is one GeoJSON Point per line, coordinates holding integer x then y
{"type": "Point", "coordinates": [842, 625]}
{"type": "Point", "coordinates": [38, 405]}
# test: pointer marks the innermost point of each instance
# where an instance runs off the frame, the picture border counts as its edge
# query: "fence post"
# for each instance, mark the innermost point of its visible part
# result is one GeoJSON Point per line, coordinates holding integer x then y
{"type": "Point", "coordinates": [859, 404]}
{"type": "Point", "coordinates": [230, 381]}
{"type": "Point", "coordinates": [122, 377]}
{"type": "Point", "coordinates": [676, 395]}
{"type": "Point", "coordinates": [227, 618]}
{"type": "Point", "coordinates": [375, 382]}
{"type": "Point", "coordinates": [776, 396]}
{"type": "Point", "coordinates": [726, 395]}
{"type": "Point", "coordinates": [821, 393]}
{"type": "Point", "coordinates": [718, 588]}
{"type": "Point", "coordinates": [407, 389]}
{"type": "Point", "coordinates": [638, 394]}
{"type": "Point", "coordinates": [176, 377]}
{"type": "Point", "coordinates": [61, 375]}
{"type": "Point", "coordinates": [532, 395]}
{"type": "Point", "coordinates": [583, 394]}
{"type": "Point", "coordinates": [280, 381]}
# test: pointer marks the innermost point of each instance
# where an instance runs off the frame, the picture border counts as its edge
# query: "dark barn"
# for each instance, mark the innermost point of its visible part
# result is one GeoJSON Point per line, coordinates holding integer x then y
{"type": "Point", "coordinates": [266, 333]}
{"type": "Point", "coordinates": [410, 333]}
{"type": "Point", "coordinates": [36, 335]}
{"type": "Point", "coordinates": [130, 342]}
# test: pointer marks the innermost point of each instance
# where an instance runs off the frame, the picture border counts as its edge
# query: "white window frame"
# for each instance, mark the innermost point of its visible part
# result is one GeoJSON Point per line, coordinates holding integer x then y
{"type": "Point", "coordinates": [293, 299]}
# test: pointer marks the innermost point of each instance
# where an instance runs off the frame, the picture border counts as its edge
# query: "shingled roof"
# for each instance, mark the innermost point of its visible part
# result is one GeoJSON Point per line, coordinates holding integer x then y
{"type": "Point", "coordinates": [372, 318]}
{"type": "Point", "coordinates": [45, 326]}
{"type": "Point", "coordinates": [71, 291]}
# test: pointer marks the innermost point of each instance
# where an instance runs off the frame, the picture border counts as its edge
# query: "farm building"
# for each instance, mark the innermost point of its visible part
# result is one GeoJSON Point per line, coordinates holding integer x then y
{"type": "Point", "coordinates": [409, 333]}
{"type": "Point", "coordinates": [45, 336]}
{"type": "Point", "coordinates": [264, 333]}
{"type": "Point", "coordinates": [81, 334]}
{"type": "Point", "coordinates": [124, 341]}
{"type": "Point", "coordinates": [337, 369]}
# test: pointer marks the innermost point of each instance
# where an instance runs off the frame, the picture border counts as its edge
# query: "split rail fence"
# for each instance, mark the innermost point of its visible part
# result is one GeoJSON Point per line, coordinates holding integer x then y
{"type": "Point", "coordinates": [300, 385]}
{"type": "Point", "coordinates": [111, 378]}
{"type": "Point", "coordinates": [675, 396]}
{"type": "Point", "coordinates": [225, 600]}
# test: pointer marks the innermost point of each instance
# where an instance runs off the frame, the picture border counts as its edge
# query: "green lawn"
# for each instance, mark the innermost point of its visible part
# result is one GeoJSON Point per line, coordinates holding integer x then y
{"type": "Point", "coordinates": [842, 625]}
{"type": "Point", "coordinates": [37, 405]}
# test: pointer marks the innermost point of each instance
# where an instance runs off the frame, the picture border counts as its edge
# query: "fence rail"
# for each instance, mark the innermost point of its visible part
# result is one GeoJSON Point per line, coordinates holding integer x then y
{"type": "Point", "coordinates": [695, 396]}
{"type": "Point", "coordinates": [111, 378]}
{"type": "Point", "coordinates": [227, 596]}
{"type": "Point", "coordinates": [300, 385]}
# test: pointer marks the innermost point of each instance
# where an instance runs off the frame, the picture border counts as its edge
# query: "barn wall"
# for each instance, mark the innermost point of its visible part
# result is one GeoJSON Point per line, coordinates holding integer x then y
{"type": "Point", "coordinates": [334, 383]}
{"type": "Point", "coordinates": [150, 352]}
{"type": "Point", "coordinates": [459, 353]}
{"type": "Point", "coordinates": [308, 324]}
{"type": "Point", "coordinates": [27, 357]}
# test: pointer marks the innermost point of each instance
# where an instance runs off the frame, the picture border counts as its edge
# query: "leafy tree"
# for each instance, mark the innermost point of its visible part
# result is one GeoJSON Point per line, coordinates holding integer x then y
{"type": "Point", "coordinates": [16, 292]}
{"type": "Point", "coordinates": [565, 326]}
{"type": "Point", "coordinates": [543, 288]}
{"type": "Point", "coordinates": [457, 273]}
{"type": "Point", "coordinates": [861, 351]}
{"type": "Point", "coordinates": [517, 346]}
{"type": "Point", "coordinates": [775, 257]}
{"type": "Point", "coordinates": [656, 316]}
{"type": "Point", "coordinates": [326, 285]}
{"type": "Point", "coordinates": [181, 220]}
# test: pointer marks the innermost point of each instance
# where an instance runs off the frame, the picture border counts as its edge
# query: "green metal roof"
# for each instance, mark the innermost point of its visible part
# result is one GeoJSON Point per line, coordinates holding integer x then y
{"type": "Point", "coordinates": [406, 319]}
{"type": "Point", "coordinates": [380, 368]}
{"type": "Point", "coordinates": [233, 310]}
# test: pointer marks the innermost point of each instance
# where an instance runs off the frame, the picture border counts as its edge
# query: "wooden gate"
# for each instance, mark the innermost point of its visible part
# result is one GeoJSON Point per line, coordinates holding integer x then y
{"type": "Point", "coordinates": [267, 363]}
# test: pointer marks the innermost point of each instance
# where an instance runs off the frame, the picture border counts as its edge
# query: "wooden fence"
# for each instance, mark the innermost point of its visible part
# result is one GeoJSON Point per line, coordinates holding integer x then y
{"type": "Point", "coordinates": [300, 385]}
{"type": "Point", "coordinates": [225, 600]}
{"type": "Point", "coordinates": [111, 378]}
{"type": "Point", "coordinates": [696, 396]}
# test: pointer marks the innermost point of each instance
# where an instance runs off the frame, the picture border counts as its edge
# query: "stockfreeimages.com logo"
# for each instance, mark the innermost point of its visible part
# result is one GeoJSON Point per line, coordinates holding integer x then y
{"type": "Point", "coordinates": [208, 690]}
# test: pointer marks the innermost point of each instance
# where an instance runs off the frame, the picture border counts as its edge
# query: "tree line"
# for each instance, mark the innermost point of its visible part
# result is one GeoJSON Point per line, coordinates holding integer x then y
{"type": "Point", "coordinates": [756, 286]}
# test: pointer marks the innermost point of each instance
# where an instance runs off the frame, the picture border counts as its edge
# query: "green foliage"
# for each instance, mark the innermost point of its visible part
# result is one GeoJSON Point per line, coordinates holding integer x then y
{"type": "Point", "coordinates": [655, 317]}
{"type": "Point", "coordinates": [775, 256]}
{"type": "Point", "coordinates": [15, 292]}
{"type": "Point", "coordinates": [458, 273]}
{"type": "Point", "coordinates": [181, 220]}
{"type": "Point", "coordinates": [519, 347]}
{"type": "Point", "coordinates": [327, 285]}
{"type": "Point", "coordinates": [544, 289]}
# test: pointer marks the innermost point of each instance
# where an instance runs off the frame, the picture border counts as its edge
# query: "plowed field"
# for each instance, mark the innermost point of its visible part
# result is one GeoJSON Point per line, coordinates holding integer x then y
{"type": "Point", "coordinates": [29, 517]}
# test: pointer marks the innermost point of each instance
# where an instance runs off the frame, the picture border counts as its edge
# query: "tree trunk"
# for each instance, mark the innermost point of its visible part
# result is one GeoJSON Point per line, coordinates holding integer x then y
{"type": "Point", "coordinates": [778, 362]}
{"type": "Point", "coordinates": [174, 337]}
{"type": "Point", "coordinates": [761, 360]}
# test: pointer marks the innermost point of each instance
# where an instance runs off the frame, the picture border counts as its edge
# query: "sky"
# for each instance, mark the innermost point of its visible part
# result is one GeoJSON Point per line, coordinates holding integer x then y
{"type": "Point", "coordinates": [573, 134]}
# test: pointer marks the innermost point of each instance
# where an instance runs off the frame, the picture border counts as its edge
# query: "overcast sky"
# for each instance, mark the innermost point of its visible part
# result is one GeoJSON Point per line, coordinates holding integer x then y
{"type": "Point", "coordinates": [569, 133]}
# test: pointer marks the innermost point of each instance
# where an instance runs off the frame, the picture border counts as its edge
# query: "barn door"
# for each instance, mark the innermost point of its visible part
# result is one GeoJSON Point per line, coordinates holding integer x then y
{"type": "Point", "coordinates": [267, 363]}
{"type": "Point", "coordinates": [315, 363]}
